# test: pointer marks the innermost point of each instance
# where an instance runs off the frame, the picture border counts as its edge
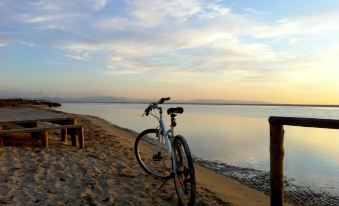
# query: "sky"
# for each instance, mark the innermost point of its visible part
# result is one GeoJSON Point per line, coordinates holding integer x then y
{"type": "Point", "coordinates": [257, 50]}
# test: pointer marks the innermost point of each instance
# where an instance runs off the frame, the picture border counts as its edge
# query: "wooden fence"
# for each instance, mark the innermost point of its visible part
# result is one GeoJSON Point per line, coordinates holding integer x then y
{"type": "Point", "coordinates": [277, 149]}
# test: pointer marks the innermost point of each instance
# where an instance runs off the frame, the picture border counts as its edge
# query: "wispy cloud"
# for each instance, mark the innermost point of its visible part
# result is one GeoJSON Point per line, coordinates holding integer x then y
{"type": "Point", "coordinates": [154, 13]}
{"type": "Point", "coordinates": [253, 11]}
{"type": "Point", "coordinates": [30, 44]}
{"type": "Point", "coordinates": [8, 38]}
{"type": "Point", "coordinates": [140, 36]}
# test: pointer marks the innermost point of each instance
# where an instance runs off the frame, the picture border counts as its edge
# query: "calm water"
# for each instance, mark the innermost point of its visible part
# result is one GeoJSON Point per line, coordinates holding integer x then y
{"type": "Point", "coordinates": [239, 135]}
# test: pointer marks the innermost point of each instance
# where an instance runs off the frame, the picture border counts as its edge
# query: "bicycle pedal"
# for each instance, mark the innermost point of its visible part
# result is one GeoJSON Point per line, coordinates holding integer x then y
{"type": "Point", "coordinates": [157, 157]}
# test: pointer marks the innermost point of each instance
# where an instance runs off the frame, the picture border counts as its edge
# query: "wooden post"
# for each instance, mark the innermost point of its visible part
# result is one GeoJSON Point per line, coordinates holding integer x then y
{"type": "Point", "coordinates": [276, 164]}
{"type": "Point", "coordinates": [64, 135]}
{"type": "Point", "coordinates": [44, 138]}
{"type": "Point", "coordinates": [1, 139]}
{"type": "Point", "coordinates": [81, 136]}
{"type": "Point", "coordinates": [73, 134]}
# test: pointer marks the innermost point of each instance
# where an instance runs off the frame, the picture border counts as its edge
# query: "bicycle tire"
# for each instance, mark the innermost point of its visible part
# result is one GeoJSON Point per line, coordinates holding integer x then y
{"type": "Point", "coordinates": [145, 148]}
{"type": "Point", "coordinates": [184, 172]}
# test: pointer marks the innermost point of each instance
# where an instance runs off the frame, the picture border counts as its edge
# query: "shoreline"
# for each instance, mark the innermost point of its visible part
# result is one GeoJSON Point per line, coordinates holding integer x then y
{"type": "Point", "coordinates": [226, 188]}
{"type": "Point", "coordinates": [259, 180]}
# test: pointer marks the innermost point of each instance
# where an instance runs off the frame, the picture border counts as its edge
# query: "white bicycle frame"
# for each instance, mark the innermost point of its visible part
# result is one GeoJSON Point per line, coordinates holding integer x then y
{"type": "Point", "coordinates": [165, 135]}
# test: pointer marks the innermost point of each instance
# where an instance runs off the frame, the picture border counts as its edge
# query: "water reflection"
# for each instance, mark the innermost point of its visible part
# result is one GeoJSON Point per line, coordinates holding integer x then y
{"type": "Point", "coordinates": [235, 140]}
{"type": "Point", "coordinates": [312, 155]}
{"type": "Point", "coordinates": [239, 135]}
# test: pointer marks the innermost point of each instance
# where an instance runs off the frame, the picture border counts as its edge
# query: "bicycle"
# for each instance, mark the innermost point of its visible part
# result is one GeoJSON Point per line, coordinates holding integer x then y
{"type": "Point", "coordinates": [166, 156]}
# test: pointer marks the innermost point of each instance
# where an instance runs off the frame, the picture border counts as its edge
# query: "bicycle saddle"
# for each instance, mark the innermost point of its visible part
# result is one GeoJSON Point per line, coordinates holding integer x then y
{"type": "Point", "coordinates": [176, 110]}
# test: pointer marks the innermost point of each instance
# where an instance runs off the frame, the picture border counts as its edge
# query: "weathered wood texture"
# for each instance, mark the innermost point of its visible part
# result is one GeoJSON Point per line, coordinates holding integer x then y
{"type": "Point", "coordinates": [1, 140]}
{"type": "Point", "coordinates": [73, 134]}
{"type": "Point", "coordinates": [42, 133]}
{"type": "Point", "coordinates": [16, 115]}
{"type": "Point", "coordinates": [277, 149]}
{"type": "Point", "coordinates": [305, 122]}
{"type": "Point", "coordinates": [81, 135]}
{"type": "Point", "coordinates": [44, 138]}
{"type": "Point", "coordinates": [64, 135]}
{"type": "Point", "coordinates": [276, 164]}
{"type": "Point", "coordinates": [27, 119]}
{"type": "Point", "coordinates": [38, 129]}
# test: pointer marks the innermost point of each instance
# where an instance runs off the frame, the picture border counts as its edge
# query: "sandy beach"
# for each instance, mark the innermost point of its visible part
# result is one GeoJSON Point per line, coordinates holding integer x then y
{"type": "Point", "coordinates": [104, 173]}
{"type": "Point", "coordinates": [88, 90]}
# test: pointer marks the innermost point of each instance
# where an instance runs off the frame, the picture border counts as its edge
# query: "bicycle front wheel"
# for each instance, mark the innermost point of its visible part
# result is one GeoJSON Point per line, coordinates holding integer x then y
{"type": "Point", "coordinates": [184, 178]}
{"type": "Point", "coordinates": [151, 153]}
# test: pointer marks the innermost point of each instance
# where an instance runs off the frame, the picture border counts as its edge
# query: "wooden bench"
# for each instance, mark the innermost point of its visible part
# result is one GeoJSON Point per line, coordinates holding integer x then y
{"type": "Point", "coordinates": [73, 130]}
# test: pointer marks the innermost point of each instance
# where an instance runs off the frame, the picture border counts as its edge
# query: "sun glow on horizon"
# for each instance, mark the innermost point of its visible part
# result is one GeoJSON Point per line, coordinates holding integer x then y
{"type": "Point", "coordinates": [280, 52]}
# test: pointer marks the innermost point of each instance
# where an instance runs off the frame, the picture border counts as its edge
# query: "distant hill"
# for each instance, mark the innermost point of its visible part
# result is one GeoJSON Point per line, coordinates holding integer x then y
{"type": "Point", "coordinates": [88, 99]}
{"type": "Point", "coordinates": [26, 102]}
{"type": "Point", "coordinates": [110, 99]}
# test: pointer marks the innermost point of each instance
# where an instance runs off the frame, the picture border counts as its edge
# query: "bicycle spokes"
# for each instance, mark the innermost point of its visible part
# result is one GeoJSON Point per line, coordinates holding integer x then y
{"type": "Point", "coordinates": [152, 155]}
{"type": "Point", "coordinates": [185, 178]}
{"type": "Point", "coordinates": [158, 157]}
{"type": "Point", "coordinates": [164, 155]}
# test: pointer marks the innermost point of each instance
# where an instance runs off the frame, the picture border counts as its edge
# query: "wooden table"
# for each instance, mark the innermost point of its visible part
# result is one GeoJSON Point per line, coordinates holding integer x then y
{"type": "Point", "coordinates": [38, 122]}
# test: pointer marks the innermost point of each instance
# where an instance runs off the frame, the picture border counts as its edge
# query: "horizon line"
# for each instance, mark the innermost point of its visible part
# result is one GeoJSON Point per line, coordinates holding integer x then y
{"type": "Point", "coordinates": [200, 103]}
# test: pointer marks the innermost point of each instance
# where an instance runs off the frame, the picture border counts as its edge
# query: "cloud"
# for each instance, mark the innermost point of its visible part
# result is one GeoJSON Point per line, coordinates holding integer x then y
{"type": "Point", "coordinates": [78, 55]}
{"type": "Point", "coordinates": [192, 37]}
{"type": "Point", "coordinates": [48, 19]}
{"type": "Point", "coordinates": [153, 13]}
{"type": "Point", "coordinates": [30, 44]}
{"type": "Point", "coordinates": [99, 4]}
{"type": "Point", "coordinates": [253, 11]}
{"type": "Point", "coordinates": [65, 5]}
{"type": "Point", "coordinates": [306, 25]}
{"type": "Point", "coordinates": [8, 38]}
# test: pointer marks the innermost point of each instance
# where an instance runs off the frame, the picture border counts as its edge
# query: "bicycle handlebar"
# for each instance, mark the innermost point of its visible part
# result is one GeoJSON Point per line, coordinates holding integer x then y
{"type": "Point", "coordinates": [155, 104]}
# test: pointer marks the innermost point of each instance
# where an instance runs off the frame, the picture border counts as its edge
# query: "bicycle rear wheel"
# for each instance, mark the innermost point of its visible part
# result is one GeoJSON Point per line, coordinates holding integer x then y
{"type": "Point", "coordinates": [151, 153]}
{"type": "Point", "coordinates": [184, 179]}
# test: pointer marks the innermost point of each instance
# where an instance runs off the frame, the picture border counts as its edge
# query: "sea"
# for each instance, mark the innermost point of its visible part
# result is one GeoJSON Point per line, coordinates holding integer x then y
{"type": "Point", "coordinates": [238, 135]}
